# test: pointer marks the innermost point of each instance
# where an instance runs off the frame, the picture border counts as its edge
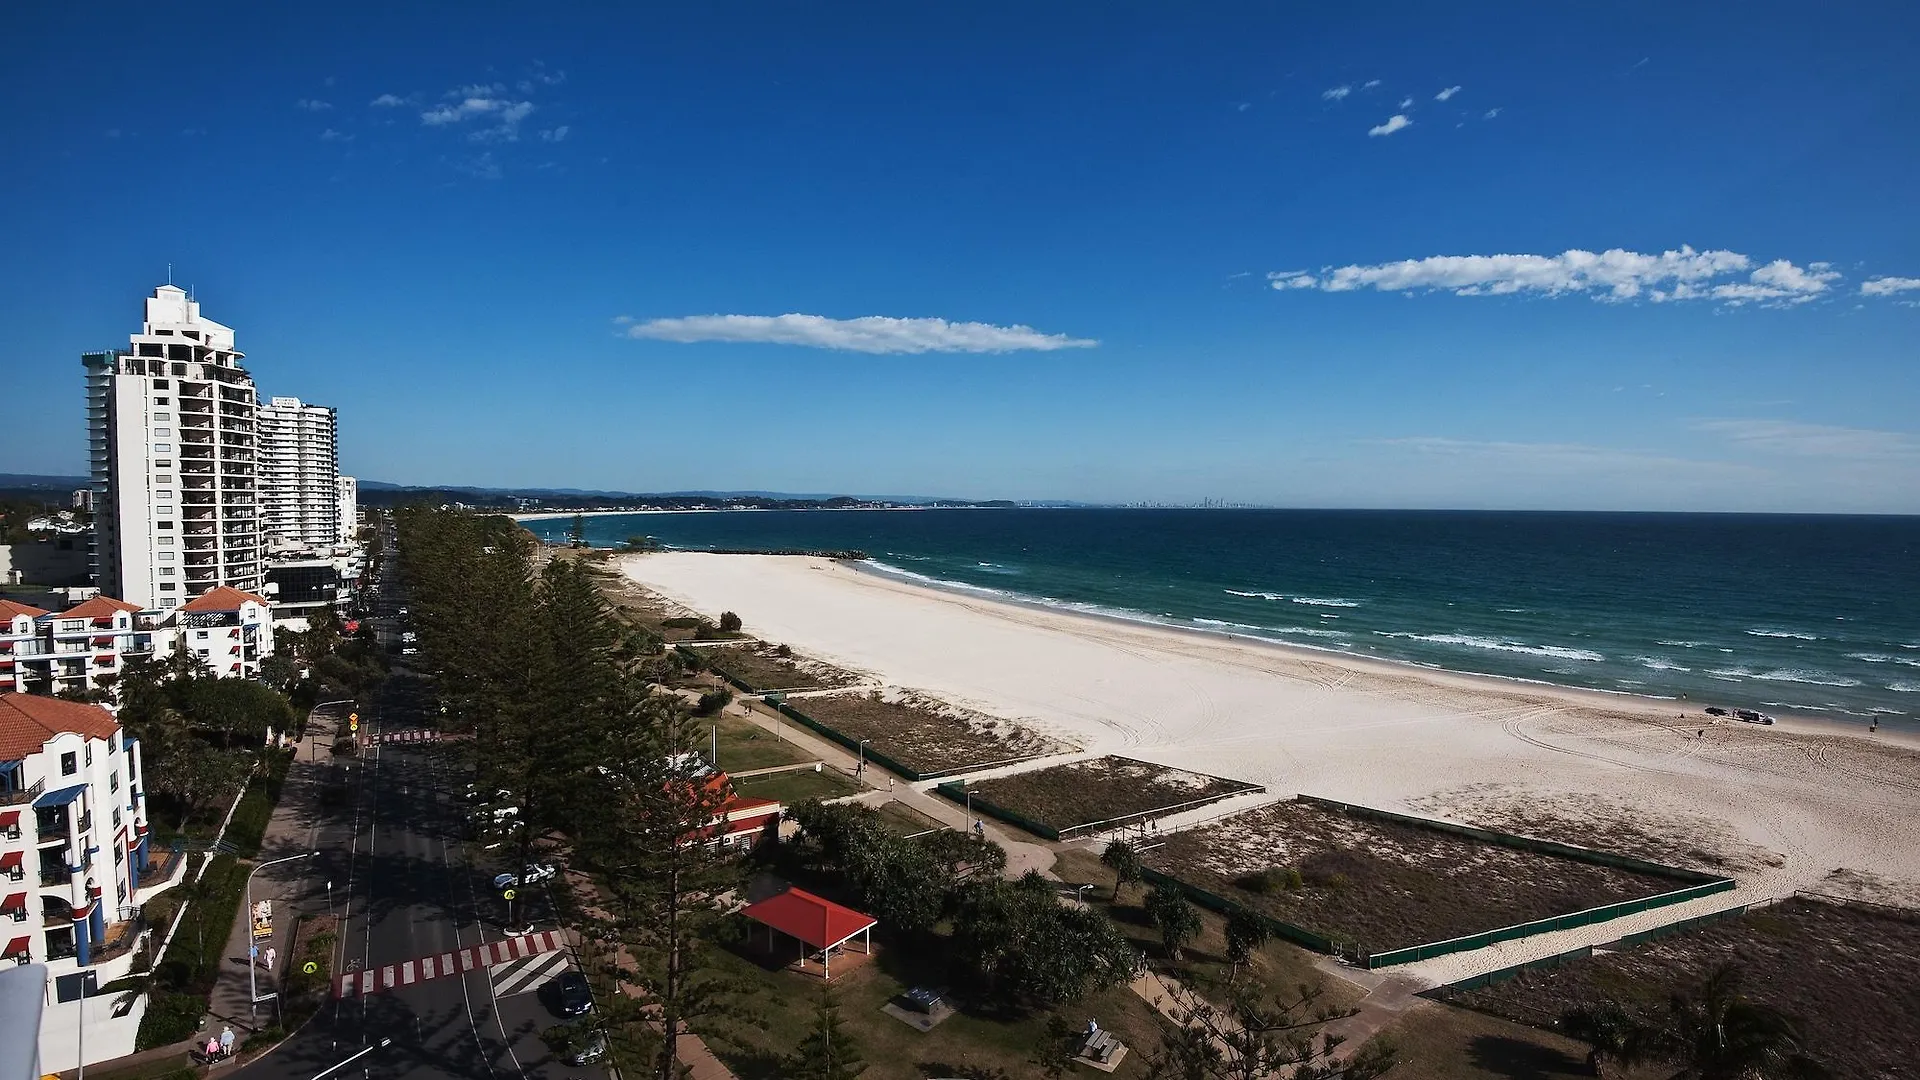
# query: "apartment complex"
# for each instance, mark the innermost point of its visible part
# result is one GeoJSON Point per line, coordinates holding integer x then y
{"type": "Point", "coordinates": [349, 509]}
{"type": "Point", "coordinates": [299, 474]}
{"type": "Point", "coordinates": [82, 648]}
{"type": "Point", "coordinates": [171, 426]}
{"type": "Point", "coordinates": [73, 838]}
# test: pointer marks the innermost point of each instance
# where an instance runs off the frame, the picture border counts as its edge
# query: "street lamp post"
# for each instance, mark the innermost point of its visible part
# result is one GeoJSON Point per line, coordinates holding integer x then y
{"type": "Point", "coordinates": [861, 771]}
{"type": "Point", "coordinates": [253, 984]}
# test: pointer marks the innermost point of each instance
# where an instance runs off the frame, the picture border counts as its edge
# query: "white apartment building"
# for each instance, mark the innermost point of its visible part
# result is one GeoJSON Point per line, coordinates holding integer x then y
{"type": "Point", "coordinates": [349, 509]}
{"type": "Point", "coordinates": [171, 430]}
{"type": "Point", "coordinates": [299, 473]}
{"type": "Point", "coordinates": [74, 858]}
{"type": "Point", "coordinates": [228, 630]}
{"type": "Point", "coordinates": [82, 648]}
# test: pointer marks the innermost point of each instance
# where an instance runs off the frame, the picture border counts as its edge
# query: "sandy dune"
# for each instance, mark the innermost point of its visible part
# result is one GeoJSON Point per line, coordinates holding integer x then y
{"type": "Point", "coordinates": [1794, 807]}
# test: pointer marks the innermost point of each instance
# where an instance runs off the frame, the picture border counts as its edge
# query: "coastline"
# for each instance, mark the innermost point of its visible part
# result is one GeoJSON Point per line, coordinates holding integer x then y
{"type": "Point", "coordinates": [1790, 805]}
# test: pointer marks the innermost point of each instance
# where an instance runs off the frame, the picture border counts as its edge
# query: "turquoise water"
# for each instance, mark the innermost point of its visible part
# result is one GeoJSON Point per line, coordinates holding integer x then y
{"type": "Point", "coordinates": [1793, 614]}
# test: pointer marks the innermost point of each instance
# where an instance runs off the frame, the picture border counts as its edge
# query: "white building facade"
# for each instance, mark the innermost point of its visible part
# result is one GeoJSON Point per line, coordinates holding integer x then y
{"type": "Point", "coordinates": [299, 474]}
{"type": "Point", "coordinates": [172, 428]}
{"type": "Point", "coordinates": [228, 630]}
{"type": "Point", "coordinates": [349, 509]}
{"type": "Point", "coordinates": [83, 648]}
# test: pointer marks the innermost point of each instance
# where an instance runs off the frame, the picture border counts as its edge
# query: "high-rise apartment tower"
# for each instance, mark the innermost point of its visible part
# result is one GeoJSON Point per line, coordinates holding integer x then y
{"type": "Point", "coordinates": [299, 474]}
{"type": "Point", "coordinates": [171, 429]}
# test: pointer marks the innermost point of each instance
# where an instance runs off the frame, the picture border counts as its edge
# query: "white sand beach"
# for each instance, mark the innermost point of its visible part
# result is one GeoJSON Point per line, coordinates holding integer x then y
{"type": "Point", "coordinates": [1799, 806]}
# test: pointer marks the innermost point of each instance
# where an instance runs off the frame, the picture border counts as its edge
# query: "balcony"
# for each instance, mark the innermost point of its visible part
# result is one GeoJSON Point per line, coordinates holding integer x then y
{"type": "Point", "coordinates": [54, 876]}
{"type": "Point", "coordinates": [52, 826]}
{"type": "Point", "coordinates": [24, 795]}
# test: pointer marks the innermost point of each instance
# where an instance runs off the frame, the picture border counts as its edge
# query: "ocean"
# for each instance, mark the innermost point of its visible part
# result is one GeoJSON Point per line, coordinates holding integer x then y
{"type": "Point", "coordinates": [1801, 614]}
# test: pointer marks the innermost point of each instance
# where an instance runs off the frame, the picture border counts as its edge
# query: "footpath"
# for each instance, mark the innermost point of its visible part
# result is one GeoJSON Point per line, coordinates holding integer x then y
{"type": "Point", "coordinates": [293, 888]}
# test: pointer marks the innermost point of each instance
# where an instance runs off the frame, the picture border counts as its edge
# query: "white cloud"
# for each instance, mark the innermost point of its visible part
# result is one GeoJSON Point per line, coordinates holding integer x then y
{"type": "Point", "coordinates": [1396, 122]}
{"type": "Point", "coordinates": [1796, 439]}
{"type": "Point", "coordinates": [1370, 84]}
{"type": "Point", "coordinates": [871, 334]}
{"type": "Point", "coordinates": [1490, 113]}
{"type": "Point", "coordinates": [475, 90]}
{"type": "Point", "coordinates": [1447, 93]}
{"type": "Point", "coordinates": [1888, 286]}
{"type": "Point", "coordinates": [504, 117]}
{"type": "Point", "coordinates": [312, 105]}
{"type": "Point", "coordinates": [331, 135]}
{"type": "Point", "coordinates": [1406, 103]}
{"type": "Point", "coordinates": [1613, 275]}
{"type": "Point", "coordinates": [1338, 93]}
{"type": "Point", "coordinates": [483, 167]}
{"type": "Point", "coordinates": [558, 134]}
{"type": "Point", "coordinates": [387, 101]}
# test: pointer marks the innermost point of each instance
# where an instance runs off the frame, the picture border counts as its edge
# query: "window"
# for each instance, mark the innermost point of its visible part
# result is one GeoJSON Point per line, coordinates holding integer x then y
{"type": "Point", "coordinates": [89, 754]}
{"type": "Point", "coordinates": [169, 586]}
{"type": "Point", "coordinates": [200, 635]}
{"type": "Point", "coordinates": [69, 763]}
{"type": "Point", "coordinates": [163, 525]}
{"type": "Point", "coordinates": [163, 400]}
{"type": "Point", "coordinates": [162, 448]}
{"type": "Point", "coordinates": [160, 384]}
{"type": "Point", "coordinates": [164, 556]}
{"type": "Point", "coordinates": [166, 571]}
{"type": "Point", "coordinates": [166, 541]}
{"type": "Point", "coordinates": [161, 431]}
{"type": "Point", "coordinates": [161, 415]}
{"type": "Point", "coordinates": [116, 819]}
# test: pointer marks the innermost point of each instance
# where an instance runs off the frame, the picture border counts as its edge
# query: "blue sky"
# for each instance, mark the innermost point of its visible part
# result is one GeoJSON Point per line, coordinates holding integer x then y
{"type": "Point", "coordinates": [1640, 258]}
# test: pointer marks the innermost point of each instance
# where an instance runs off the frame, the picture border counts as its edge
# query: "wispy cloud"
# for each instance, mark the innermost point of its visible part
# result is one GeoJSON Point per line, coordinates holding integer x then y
{"type": "Point", "coordinates": [1795, 439]}
{"type": "Point", "coordinates": [1406, 103]}
{"type": "Point", "coordinates": [1396, 122]}
{"type": "Point", "coordinates": [331, 135]}
{"type": "Point", "coordinates": [388, 101]}
{"type": "Point", "coordinates": [1614, 275]}
{"type": "Point", "coordinates": [1338, 93]}
{"type": "Point", "coordinates": [1888, 286]}
{"type": "Point", "coordinates": [1490, 113]}
{"type": "Point", "coordinates": [1370, 84]}
{"type": "Point", "coordinates": [1447, 93]}
{"type": "Point", "coordinates": [502, 116]}
{"type": "Point", "coordinates": [871, 334]}
{"type": "Point", "coordinates": [557, 134]}
{"type": "Point", "coordinates": [312, 105]}
{"type": "Point", "coordinates": [483, 167]}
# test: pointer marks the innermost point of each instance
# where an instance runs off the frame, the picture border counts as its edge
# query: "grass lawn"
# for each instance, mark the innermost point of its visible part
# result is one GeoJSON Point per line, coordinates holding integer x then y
{"type": "Point", "coordinates": [745, 745]}
{"type": "Point", "coordinates": [772, 1010]}
{"type": "Point", "coordinates": [900, 818]}
{"type": "Point", "coordinates": [1440, 1042]}
{"type": "Point", "coordinates": [791, 787]}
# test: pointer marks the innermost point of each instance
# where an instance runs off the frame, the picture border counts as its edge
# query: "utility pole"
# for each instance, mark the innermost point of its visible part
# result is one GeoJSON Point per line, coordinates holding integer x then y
{"type": "Point", "coordinates": [253, 968]}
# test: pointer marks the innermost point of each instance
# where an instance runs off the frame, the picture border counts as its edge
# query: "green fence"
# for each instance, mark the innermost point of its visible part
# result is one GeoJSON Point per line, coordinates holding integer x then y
{"type": "Point", "coordinates": [739, 683]}
{"type": "Point", "coordinates": [1697, 885]}
{"type": "Point", "coordinates": [1523, 843]}
{"type": "Point", "coordinates": [957, 791]}
{"type": "Point", "coordinates": [872, 755]}
{"type": "Point", "coordinates": [1217, 903]}
{"type": "Point", "coordinates": [1627, 941]}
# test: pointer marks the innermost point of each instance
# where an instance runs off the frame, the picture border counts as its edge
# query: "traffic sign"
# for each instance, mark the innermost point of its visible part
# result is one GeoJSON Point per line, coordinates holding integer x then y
{"type": "Point", "coordinates": [353, 724]}
{"type": "Point", "coordinates": [506, 894]}
{"type": "Point", "coordinates": [309, 967]}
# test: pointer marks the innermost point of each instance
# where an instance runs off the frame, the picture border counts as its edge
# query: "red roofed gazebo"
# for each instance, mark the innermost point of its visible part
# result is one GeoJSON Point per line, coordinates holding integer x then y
{"type": "Point", "coordinates": [814, 921]}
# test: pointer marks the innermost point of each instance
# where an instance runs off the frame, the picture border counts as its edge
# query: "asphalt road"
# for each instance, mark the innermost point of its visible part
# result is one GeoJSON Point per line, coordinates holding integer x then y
{"type": "Point", "coordinates": [410, 886]}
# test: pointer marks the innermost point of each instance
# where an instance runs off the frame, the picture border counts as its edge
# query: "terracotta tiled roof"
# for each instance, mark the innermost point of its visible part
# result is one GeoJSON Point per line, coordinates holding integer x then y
{"type": "Point", "coordinates": [100, 607]}
{"type": "Point", "coordinates": [221, 598]}
{"type": "Point", "coordinates": [9, 610]}
{"type": "Point", "coordinates": [27, 721]}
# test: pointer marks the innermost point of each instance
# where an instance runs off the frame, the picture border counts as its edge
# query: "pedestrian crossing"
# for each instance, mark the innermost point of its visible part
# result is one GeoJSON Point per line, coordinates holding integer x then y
{"type": "Point", "coordinates": [425, 968]}
{"type": "Point", "coordinates": [532, 973]}
{"type": "Point", "coordinates": [410, 735]}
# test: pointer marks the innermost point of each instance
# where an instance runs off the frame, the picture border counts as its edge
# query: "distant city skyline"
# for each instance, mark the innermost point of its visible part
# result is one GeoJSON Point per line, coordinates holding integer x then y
{"type": "Point", "coordinates": [1514, 258]}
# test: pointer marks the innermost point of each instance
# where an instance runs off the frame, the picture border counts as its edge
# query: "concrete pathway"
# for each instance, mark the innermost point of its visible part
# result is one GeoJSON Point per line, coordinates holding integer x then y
{"type": "Point", "coordinates": [290, 886]}
{"type": "Point", "coordinates": [1022, 855]}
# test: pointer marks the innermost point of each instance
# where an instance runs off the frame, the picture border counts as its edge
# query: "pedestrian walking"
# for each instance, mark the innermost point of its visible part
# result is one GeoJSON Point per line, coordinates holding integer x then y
{"type": "Point", "coordinates": [226, 1041]}
{"type": "Point", "coordinates": [889, 785]}
{"type": "Point", "coordinates": [270, 955]}
{"type": "Point", "coordinates": [212, 1049]}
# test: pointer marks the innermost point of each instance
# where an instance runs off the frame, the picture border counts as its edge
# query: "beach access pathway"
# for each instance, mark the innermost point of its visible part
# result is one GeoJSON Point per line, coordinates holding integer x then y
{"type": "Point", "coordinates": [1022, 855]}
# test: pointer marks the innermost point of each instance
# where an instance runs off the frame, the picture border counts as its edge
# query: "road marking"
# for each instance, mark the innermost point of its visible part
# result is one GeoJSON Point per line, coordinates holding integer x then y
{"type": "Point", "coordinates": [528, 974]}
{"type": "Point", "coordinates": [474, 957]}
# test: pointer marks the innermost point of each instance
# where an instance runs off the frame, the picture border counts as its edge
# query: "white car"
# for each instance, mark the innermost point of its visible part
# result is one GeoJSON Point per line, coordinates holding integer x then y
{"type": "Point", "coordinates": [533, 874]}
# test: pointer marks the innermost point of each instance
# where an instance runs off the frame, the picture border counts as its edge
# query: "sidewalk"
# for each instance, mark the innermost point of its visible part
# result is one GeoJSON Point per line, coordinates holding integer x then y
{"type": "Point", "coordinates": [1022, 855]}
{"type": "Point", "coordinates": [290, 887]}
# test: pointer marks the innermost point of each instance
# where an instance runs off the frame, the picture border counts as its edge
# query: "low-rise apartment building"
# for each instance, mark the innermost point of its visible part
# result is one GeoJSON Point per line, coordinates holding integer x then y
{"type": "Point", "coordinates": [73, 837]}
{"type": "Point", "coordinates": [227, 629]}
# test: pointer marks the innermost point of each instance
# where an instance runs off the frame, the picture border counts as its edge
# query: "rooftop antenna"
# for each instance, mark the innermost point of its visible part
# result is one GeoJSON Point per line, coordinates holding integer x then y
{"type": "Point", "coordinates": [169, 273]}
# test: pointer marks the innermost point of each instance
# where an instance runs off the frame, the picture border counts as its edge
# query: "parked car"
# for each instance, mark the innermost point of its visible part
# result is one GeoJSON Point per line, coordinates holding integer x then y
{"type": "Point", "coordinates": [591, 1050]}
{"type": "Point", "coordinates": [921, 999]}
{"type": "Point", "coordinates": [571, 994]}
{"type": "Point", "coordinates": [535, 873]}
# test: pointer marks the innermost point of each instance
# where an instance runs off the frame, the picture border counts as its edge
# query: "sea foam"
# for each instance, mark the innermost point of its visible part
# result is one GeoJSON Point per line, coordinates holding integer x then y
{"type": "Point", "coordinates": [1496, 645]}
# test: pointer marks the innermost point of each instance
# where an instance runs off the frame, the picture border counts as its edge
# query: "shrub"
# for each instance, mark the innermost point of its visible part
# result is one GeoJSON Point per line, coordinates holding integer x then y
{"type": "Point", "coordinates": [729, 622]}
{"type": "Point", "coordinates": [783, 651]}
{"type": "Point", "coordinates": [1272, 879]}
{"type": "Point", "coordinates": [713, 701]}
{"type": "Point", "coordinates": [680, 623]}
{"type": "Point", "coordinates": [171, 1017]}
